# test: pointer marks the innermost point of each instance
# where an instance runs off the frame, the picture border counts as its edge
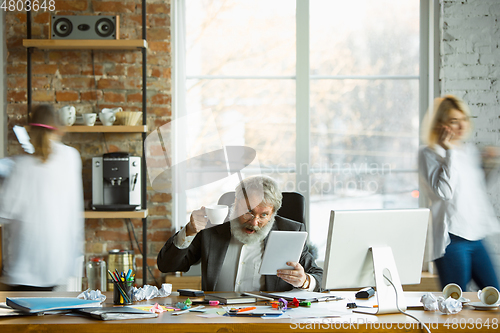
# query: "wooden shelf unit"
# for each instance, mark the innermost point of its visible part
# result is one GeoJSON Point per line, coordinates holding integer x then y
{"type": "Point", "coordinates": [106, 129]}
{"type": "Point", "coordinates": [86, 44]}
{"type": "Point", "coordinates": [103, 44]}
{"type": "Point", "coordinates": [136, 214]}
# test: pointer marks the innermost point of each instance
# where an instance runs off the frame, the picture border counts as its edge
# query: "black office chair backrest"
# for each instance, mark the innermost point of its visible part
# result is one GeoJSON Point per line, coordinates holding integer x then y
{"type": "Point", "coordinates": [293, 205]}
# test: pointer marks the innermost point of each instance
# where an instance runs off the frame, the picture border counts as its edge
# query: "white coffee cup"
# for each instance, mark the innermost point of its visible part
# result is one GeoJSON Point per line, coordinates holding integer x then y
{"type": "Point", "coordinates": [217, 213]}
{"type": "Point", "coordinates": [67, 115]}
{"type": "Point", "coordinates": [452, 290]}
{"type": "Point", "coordinates": [89, 119]}
{"type": "Point", "coordinates": [489, 295]}
{"type": "Point", "coordinates": [107, 118]}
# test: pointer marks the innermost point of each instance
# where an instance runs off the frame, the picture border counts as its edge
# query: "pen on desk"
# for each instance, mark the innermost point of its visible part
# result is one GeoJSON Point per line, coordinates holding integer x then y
{"type": "Point", "coordinates": [258, 296]}
{"type": "Point", "coordinates": [187, 310]}
{"type": "Point", "coordinates": [246, 309]}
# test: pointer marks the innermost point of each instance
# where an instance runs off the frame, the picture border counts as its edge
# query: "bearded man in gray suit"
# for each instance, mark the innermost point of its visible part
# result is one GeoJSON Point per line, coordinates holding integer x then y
{"type": "Point", "coordinates": [231, 253]}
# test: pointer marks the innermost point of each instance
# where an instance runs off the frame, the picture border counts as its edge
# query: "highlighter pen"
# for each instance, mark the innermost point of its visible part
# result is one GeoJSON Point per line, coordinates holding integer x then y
{"type": "Point", "coordinates": [128, 274]}
{"type": "Point", "coordinates": [246, 309]}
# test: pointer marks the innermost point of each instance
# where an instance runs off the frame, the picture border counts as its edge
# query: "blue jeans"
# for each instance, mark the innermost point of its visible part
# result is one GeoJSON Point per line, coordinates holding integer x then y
{"type": "Point", "coordinates": [465, 260]}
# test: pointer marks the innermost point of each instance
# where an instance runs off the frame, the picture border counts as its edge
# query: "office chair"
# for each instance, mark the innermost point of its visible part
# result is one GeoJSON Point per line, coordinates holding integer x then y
{"type": "Point", "coordinates": [293, 205]}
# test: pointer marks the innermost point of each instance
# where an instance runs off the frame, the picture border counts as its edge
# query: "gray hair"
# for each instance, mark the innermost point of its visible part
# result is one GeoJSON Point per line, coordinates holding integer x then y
{"type": "Point", "coordinates": [264, 187]}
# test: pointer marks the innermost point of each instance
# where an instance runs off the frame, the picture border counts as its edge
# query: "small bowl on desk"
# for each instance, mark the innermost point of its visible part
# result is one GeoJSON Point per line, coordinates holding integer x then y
{"type": "Point", "coordinates": [128, 118]}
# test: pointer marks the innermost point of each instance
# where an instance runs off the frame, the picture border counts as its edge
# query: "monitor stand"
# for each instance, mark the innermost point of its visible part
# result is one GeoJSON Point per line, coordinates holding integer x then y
{"type": "Point", "coordinates": [384, 267]}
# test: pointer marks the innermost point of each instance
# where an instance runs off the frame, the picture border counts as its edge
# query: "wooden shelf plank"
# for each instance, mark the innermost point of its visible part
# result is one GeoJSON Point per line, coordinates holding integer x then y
{"type": "Point", "coordinates": [82, 44]}
{"type": "Point", "coordinates": [136, 214]}
{"type": "Point", "coordinates": [106, 129]}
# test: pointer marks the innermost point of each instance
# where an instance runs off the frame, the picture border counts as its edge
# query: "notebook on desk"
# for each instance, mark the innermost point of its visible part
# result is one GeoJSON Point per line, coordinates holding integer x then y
{"type": "Point", "coordinates": [116, 313]}
{"type": "Point", "coordinates": [230, 298]}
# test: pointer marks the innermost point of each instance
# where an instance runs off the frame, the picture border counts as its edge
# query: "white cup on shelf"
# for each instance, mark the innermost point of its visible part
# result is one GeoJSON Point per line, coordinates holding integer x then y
{"type": "Point", "coordinates": [67, 115]}
{"type": "Point", "coordinates": [89, 119]}
{"type": "Point", "coordinates": [107, 118]}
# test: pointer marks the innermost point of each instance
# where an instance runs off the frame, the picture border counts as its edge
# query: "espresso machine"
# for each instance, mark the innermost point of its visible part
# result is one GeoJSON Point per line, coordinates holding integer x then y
{"type": "Point", "coordinates": [116, 182]}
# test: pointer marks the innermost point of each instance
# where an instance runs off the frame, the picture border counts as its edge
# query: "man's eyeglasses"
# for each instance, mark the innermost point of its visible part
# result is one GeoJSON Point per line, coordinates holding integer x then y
{"type": "Point", "coordinates": [248, 216]}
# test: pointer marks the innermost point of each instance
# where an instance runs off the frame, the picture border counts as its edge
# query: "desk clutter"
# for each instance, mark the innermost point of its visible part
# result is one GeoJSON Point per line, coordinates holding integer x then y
{"type": "Point", "coordinates": [290, 305]}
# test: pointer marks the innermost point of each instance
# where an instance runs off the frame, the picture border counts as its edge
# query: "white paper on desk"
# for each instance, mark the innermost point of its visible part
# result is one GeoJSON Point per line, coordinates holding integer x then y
{"type": "Point", "coordinates": [8, 311]}
{"type": "Point", "coordinates": [314, 312]}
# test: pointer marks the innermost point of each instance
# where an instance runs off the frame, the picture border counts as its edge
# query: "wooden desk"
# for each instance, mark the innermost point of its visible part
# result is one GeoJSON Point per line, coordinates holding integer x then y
{"type": "Point", "coordinates": [467, 320]}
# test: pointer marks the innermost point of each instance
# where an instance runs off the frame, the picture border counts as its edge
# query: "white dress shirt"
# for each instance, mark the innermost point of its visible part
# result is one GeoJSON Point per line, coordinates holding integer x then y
{"type": "Point", "coordinates": [241, 265]}
{"type": "Point", "coordinates": [41, 207]}
{"type": "Point", "coordinates": [455, 185]}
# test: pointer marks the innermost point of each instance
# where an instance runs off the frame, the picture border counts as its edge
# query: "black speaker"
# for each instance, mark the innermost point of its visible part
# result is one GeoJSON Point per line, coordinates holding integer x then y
{"type": "Point", "coordinates": [84, 27]}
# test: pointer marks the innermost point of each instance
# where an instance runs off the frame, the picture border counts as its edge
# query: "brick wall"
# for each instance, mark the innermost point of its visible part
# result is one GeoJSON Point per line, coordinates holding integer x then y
{"type": "Point", "coordinates": [65, 78]}
{"type": "Point", "coordinates": [470, 69]}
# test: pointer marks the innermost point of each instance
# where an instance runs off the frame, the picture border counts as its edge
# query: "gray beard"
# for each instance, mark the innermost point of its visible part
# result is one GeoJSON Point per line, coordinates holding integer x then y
{"type": "Point", "coordinates": [257, 236]}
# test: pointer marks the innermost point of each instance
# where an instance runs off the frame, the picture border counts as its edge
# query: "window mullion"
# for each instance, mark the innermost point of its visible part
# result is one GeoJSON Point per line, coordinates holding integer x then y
{"type": "Point", "coordinates": [302, 102]}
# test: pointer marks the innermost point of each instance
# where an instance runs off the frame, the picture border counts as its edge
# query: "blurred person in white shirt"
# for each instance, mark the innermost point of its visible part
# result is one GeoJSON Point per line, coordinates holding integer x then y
{"type": "Point", "coordinates": [41, 210]}
{"type": "Point", "coordinates": [454, 177]}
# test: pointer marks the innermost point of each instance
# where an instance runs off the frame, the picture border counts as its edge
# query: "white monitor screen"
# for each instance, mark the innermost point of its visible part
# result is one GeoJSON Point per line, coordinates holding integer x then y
{"type": "Point", "coordinates": [348, 261]}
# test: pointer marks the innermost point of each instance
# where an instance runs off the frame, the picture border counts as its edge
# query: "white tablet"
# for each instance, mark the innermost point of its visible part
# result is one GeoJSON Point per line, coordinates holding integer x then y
{"type": "Point", "coordinates": [281, 247]}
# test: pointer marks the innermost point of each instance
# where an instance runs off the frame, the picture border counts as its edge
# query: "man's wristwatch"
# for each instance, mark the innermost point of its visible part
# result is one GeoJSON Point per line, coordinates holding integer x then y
{"type": "Point", "coordinates": [306, 283]}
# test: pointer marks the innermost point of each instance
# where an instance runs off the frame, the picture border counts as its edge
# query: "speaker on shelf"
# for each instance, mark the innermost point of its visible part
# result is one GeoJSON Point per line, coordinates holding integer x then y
{"type": "Point", "coordinates": [84, 27]}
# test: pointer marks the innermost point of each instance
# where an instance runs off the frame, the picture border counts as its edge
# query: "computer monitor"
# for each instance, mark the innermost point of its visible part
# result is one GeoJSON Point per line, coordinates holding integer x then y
{"type": "Point", "coordinates": [367, 247]}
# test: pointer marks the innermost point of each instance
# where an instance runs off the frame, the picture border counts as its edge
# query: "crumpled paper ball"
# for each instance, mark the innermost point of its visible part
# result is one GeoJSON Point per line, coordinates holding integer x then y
{"type": "Point", "coordinates": [446, 306]}
{"type": "Point", "coordinates": [165, 290]}
{"type": "Point", "coordinates": [94, 295]}
{"type": "Point", "coordinates": [146, 292]}
{"type": "Point", "coordinates": [430, 302]}
{"type": "Point", "coordinates": [449, 305]}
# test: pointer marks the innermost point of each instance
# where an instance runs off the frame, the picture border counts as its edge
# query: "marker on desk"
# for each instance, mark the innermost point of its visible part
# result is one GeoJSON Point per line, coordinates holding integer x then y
{"type": "Point", "coordinates": [243, 309]}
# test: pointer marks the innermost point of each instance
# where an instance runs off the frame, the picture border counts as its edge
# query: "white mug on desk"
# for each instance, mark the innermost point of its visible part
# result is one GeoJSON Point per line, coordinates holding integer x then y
{"type": "Point", "coordinates": [489, 295]}
{"type": "Point", "coordinates": [107, 118]}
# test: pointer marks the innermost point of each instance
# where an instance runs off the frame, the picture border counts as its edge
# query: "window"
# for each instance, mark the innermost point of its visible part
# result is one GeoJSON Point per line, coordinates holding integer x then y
{"type": "Point", "coordinates": [325, 91]}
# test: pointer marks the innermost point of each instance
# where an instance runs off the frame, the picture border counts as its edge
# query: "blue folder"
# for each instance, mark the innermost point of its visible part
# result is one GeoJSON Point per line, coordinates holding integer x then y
{"type": "Point", "coordinates": [44, 304]}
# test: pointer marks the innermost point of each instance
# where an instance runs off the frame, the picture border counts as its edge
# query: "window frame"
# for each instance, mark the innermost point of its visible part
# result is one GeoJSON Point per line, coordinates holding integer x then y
{"type": "Point", "coordinates": [428, 87]}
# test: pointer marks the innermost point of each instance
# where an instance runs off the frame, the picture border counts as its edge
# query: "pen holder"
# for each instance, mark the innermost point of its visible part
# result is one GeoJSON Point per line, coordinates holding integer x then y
{"type": "Point", "coordinates": [124, 288]}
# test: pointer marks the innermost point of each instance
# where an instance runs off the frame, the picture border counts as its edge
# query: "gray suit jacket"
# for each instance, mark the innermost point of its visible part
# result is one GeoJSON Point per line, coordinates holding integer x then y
{"type": "Point", "coordinates": [210, 246]}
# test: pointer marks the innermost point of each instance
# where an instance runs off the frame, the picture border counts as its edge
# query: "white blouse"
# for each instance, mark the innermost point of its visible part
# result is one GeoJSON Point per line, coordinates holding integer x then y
{"type": "Point", "coordinates": [455, 185]}
{"type": "Point", "coordinates": [41, 209]}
